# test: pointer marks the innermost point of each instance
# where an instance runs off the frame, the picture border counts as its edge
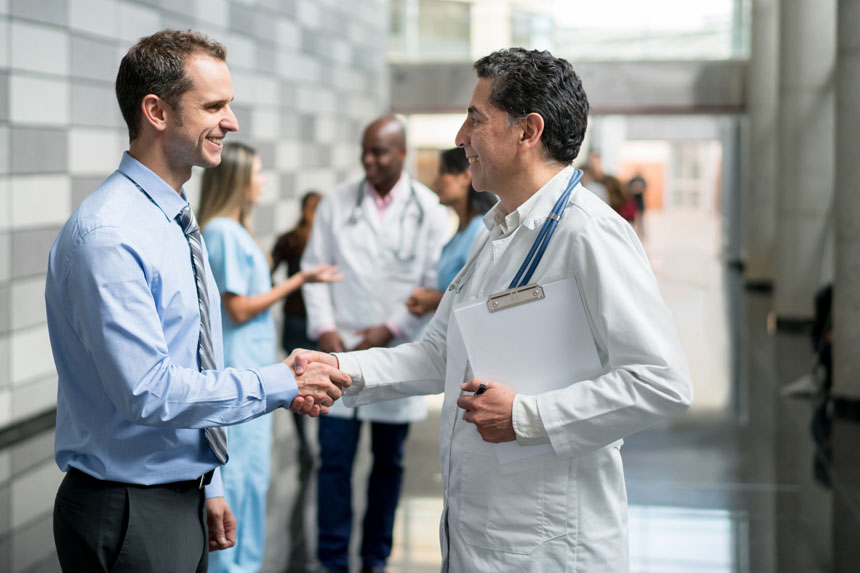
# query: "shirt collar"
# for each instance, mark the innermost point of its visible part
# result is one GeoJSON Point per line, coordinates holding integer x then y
{"type": "Point", "coordinates": [383, 202]}
{"type": "Point", "coordinates": [534, 210]}
{"type": "Point", "coordinates": [159, 192]}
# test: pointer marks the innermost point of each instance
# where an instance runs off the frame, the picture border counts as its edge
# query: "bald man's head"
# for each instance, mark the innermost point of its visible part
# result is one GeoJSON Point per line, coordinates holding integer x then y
{"type": "Point", "coordinates": [383, 151]}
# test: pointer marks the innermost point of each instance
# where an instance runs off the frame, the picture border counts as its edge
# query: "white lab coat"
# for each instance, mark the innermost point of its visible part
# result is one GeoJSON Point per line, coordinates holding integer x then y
{"type": "Point", "coordinates": [382, 261]}
{"type": "Point", "coordinates": [568, 515]}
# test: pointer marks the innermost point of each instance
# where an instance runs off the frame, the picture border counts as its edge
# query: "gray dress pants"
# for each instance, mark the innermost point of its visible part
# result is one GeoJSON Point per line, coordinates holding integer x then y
{"type": "Point", "coordinates": [110, 526]}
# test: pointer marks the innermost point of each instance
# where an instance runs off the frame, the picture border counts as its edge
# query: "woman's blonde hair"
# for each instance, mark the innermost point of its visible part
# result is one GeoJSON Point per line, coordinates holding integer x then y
{"type": "Point", "coordinates": [225, 185]}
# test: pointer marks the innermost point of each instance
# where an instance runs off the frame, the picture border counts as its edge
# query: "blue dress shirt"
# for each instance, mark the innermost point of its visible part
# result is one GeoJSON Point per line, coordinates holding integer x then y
{"type": "Point", "coordinates": [124, 322]}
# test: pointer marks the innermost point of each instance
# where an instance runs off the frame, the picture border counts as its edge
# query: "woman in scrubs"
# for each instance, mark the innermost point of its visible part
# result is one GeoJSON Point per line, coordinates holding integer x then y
{"type": "Point", "coordinates": [242, 271]}
{"type": "Point", "coordinates": [454, 187]}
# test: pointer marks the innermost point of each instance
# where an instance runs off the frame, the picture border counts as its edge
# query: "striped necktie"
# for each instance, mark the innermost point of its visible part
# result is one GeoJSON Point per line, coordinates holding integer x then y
{"type": "Point", "coordinates": [217, 437]}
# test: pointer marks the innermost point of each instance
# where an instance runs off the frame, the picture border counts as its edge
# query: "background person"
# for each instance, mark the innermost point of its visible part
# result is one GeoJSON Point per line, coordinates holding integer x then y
{"type": "Point", "coordinates": [385, 232]}
{"type": "Point", "coordinates": [454, 187]}
{"type": "Point", "coordinates": [242, 272]}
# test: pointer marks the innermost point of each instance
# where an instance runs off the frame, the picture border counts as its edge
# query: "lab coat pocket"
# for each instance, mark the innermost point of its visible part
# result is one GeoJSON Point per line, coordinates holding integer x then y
{"type": "Point", "coordinates": [514, 513]}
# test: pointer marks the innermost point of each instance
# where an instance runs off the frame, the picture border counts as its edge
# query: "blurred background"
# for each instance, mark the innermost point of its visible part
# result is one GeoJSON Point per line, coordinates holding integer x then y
{"type": "Point", "coordinates": [742, 117]}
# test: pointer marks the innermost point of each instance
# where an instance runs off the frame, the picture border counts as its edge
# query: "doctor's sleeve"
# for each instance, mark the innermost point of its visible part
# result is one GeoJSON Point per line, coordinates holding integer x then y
{"type": "Point", "coordinates": [320, 250]}
{"type": "Point", "coordinates": [646, 377]}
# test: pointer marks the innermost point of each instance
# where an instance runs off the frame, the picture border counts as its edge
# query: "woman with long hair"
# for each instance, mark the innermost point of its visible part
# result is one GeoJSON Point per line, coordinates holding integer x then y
{"type": "Point", "coordinates": [454, 186]}
{"type": "Point", "coordinates": [242, 271]}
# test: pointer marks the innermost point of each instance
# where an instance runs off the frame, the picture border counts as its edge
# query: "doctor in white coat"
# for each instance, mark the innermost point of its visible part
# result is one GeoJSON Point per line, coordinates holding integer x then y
{"type": "Point", "coordinates": [385, 233]}
{"type": "Point", "coordinates": [525, 124]}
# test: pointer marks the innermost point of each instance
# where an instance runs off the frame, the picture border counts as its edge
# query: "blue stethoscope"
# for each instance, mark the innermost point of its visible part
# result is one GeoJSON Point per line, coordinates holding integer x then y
{"type": "Point", "coordinates": [530, 263]}
{"type": "Point", "coordinates": [399, 253]}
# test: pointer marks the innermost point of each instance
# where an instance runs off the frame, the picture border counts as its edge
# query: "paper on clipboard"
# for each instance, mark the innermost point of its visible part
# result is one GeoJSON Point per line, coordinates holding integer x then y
{"type": "Point", "coordinates": [533, 348]}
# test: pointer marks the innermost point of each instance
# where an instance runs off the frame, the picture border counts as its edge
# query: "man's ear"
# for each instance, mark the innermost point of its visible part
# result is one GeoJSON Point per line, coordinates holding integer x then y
{"type": "Point", "coordinates": [532, 126]}
{"type": "Point", "coordinates": [154, 111]}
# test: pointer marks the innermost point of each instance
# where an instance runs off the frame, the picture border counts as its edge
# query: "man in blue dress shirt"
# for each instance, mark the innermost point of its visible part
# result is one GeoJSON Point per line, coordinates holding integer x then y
{"type": "Point", "coordinates": [125, 322]}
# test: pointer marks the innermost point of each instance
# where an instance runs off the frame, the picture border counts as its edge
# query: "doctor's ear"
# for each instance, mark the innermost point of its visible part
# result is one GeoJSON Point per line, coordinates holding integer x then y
{"type": "Point", "coordinates": [532, 126]}
{"type": "Point", "coordinates": [155, 111]}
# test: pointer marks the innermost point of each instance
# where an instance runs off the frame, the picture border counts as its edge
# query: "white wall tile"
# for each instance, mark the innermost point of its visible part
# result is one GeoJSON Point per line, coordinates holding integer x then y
{"type": "Point", "coordinates": [272, 188]}
{"type": "Point", "coordinates": [38, 101]}
{"type": "Point", "coordinates": [136, 21]}
{"type": "Point", "coordinates": [288, 34]}
{"type": "Point", "coordinates": [240, 52]}
{"type": "Point", "coordinates": [28, 303]}
{"type": "Point", "coordinates": [5, 268]}
{"type": "Point", "coordinates": [4, 45]}
{"type": "Point", "coordinates": [35, 397]}
{"type": "Point", "coordinates": [287, 214]}
{"type": "Point", "coordinates": [5, 366]}
{"type": "Point", "coordinates": [5, 412]}
{"type": "Point", "coordinates": [4, 6]}
{"type": "Point", "coordinates": [97, 17]}
{"type": "Point", "coordinates": [244, 84]}
{"type": "Point", "coordinates": [94, 151]}
{"type": "Point", "coordinates": [264, 124]}
{"type": "Point", "coordinates": [5, 205]}
{"type": "Point", "coordinates": [309, 14]}
{"type": "Point", "coordinates": [267, 92]}
{"type": "Point", "coordinates": [315, 179]}
{"type": "Point", "coordinates": [39, 49]}
{"type": "Point", "coordinates": [214, 11]}
{"type": "Point", "coordinates": [31, 355]}
{"type": "Point", "coordinates": [288, 155]}
{"type": "Point", "coordinates": [40, 200]}
{"type": "Point", "coordinates": [326, 129]}
{"type": "Point", "coordinates": [29, 492]}
{"type": "Point", "coordinates": [315, 99]}
{"type": "Point", "coordinates": [344, 155]}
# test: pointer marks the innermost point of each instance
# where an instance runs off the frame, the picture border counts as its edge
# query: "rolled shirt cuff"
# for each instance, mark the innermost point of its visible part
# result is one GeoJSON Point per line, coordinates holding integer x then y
{"type": "Point", "coordinates": [279, 385]}
{"type": "Point", "coordinates": [216, 486]}
{"type": "Point", "coordinates": [528, 425]}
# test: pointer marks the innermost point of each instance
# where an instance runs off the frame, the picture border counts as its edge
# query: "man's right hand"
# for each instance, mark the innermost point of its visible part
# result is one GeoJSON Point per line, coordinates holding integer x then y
{"type": "Point", "coordinates": [319, 382]}
{"type": "Point", "coordinates": [330, 342]}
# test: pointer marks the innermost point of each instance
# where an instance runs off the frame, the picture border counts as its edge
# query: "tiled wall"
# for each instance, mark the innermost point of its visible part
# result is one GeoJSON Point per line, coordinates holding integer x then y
{"type": "Point", "coordinates": [307, 76]}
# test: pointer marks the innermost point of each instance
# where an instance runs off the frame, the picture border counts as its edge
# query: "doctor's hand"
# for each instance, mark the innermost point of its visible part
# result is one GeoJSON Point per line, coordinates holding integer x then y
{"type": "Point", "coordinates": [373, 337]}
{"type": "Point", "coordinates": [222, 524]}
{"type": "Point", "coordinates": [491, 412]}
{"type": "Point", "coordinates": [423, 300]}
{"type": "Point", "coordinates": [319, 381]}
{"type": "Point", "coordinates": [331, 342]}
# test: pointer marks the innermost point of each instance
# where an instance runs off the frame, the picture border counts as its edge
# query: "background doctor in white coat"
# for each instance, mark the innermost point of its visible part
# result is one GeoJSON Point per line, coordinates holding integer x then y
{"type": "Point", "coordinates": [568, 513]}
{"type": "Point", "coordinates": [385, 233]}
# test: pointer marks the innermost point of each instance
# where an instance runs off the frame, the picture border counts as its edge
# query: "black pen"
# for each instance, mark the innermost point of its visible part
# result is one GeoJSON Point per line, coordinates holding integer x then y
{"type": "Point", "coordinates": [481, 389]}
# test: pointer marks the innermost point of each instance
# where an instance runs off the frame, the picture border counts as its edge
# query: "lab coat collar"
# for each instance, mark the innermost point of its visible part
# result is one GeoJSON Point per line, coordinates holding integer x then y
{"type": "Point", "coordinates": [535, 209]}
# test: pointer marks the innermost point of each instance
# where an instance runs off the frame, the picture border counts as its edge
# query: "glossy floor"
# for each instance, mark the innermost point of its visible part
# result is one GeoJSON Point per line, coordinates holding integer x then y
{"type": "Point", "coordinates": [734, 484]}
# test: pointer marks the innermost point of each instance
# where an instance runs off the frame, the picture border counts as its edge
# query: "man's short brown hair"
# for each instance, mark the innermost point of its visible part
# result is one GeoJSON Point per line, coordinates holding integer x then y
{"type": "Point", "coordinates": [156, 65]}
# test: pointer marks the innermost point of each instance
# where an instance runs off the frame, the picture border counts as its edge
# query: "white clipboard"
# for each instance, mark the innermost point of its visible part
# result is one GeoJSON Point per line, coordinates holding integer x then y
{"type": "Point", "coordinates": [535, 341]}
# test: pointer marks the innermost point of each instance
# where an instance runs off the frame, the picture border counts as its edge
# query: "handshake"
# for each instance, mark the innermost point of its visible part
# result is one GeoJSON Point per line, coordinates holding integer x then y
{"type": "Point", "coordinates": [319, 380]}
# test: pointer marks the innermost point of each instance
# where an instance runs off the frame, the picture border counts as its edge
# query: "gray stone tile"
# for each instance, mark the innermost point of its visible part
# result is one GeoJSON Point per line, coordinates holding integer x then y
{"type": "Point", "coordinates": [39, 150]}
{"type": "Point", "coordinates": [83, 186]}
{"type": "Point", "coordinates": [283, 7]}
{"type": "Point", "coordinates": [94, 60]}
{"type": "Point", "coordinates": [266, 59]}
{"type": "Point", "coordinates": [242, 19]}
{"type": "Point", "coordinates": [5, 144]}
{"type": "Point", "coordinates": [5, 360]}
{"type": "Point", "coordinates": [50, 11]}
{"type": "Point", "coordinates": [32, 452]}
{"type": "Point", "coordinates": [4, 97]}
{"type": "Point", "coordinates": [288, 185]}
{"type": "Point", "coordinates": [264, 219]}
{"type": "Point", "coordinates": [30, 249]}
{"type": "Point", "coordinates": [178, 21]}
{"type": "Point", "coordinates": [34, 544]}
{"type": "Point", "coordinates": [266, 151]}
{"type": "Point", "coordinates": [5, 256]}
{"type": "Point", "coordinates": [315, 155]}
{"type": "Point", "coordinates": [311, 41]}
{"type": "Point", "coordinates": [186, 8]}
{"type": "Point", "coordinates": [265, 26]}
{"type": "Point", "coordinates": [49, 565]}
{"type": "Point", "coordinates": [307, 126]}
{"type": "Point", "coordinates": [95, 105]}
{"type": "Point", "coordinates": [243, 116]}
{"type": "Point", "coordinates": [6, 554]}
{"type": "Point", "coordinates": [5, 310]}
{"type": "Point", "coordinates": [290, 125]}
{"type": "Point", "coordinates": [5, 512]}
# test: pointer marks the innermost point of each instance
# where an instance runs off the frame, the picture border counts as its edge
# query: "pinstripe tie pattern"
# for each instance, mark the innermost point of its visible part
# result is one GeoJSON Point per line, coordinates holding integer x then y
{"type": "Point", "coordinates": [217, 437]}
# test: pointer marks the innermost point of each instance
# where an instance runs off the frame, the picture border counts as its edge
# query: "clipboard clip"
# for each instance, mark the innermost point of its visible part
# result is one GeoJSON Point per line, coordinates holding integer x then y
{"type": "Point", "coordinates": [514, 297]}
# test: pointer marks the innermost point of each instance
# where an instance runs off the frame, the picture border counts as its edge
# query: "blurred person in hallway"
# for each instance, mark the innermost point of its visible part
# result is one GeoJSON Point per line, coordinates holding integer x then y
{"type": "Point", "coordinates": [622, 203]}
{"type": "Point", "coordinates": [385, 232]}
{"type": "Point", "coordinates": [454, 188]}
{"type": "Point", "coordinates": [288, 250]}
{"type": "Point", "coordinates": [242, 271]}
{"type": "Point", "coordinates": [592, 179]}
{"type": "Point", "coordinates": [636, 188]}
{"type": "Point", "coordinates": [567, 509]}
{"type": "Point", "coordinates": [135, 325]}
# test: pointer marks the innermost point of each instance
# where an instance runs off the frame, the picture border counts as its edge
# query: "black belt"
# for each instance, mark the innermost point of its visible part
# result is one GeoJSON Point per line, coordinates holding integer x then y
{"type": "Point", "coordinates": [198, 483]}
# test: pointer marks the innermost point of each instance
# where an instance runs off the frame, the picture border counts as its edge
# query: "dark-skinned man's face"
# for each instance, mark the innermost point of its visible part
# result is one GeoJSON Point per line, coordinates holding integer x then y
{"type": "Point", "coordinates": [382, 154]}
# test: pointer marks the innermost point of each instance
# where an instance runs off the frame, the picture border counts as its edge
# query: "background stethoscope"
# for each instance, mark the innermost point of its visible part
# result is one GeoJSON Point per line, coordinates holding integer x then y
{"type": "Point", "coordinates": [399, 253]}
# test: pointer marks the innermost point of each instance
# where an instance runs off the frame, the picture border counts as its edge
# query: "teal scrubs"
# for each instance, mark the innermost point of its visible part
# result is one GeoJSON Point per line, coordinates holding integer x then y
{"type": "Point", "coordinates": [240, 267]}
{"type": "Point", "coordinates": [455, 253]}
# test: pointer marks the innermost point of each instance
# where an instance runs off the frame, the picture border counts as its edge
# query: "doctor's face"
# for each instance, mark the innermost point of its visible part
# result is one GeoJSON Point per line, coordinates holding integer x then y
{"type": "Point", "coordinates": [382, 154]}
{"type": "Point", "coordinates": [489, 140]}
